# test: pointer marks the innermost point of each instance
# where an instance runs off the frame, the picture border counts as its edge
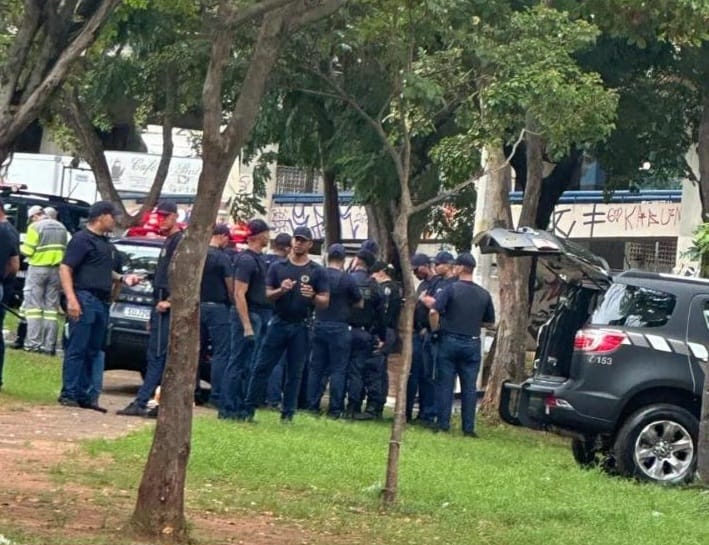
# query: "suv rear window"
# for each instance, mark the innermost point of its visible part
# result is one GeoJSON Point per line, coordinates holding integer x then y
{"type": "Point", "coordinates": [633, 306]}
{"type": "Point", "coordinates": [139, 258]}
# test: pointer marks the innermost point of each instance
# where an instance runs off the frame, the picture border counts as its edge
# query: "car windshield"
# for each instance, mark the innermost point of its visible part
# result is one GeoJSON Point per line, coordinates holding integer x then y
{"type": "Point", "coordinates": [633, 306]}
{"type": "Point", "coordinates": [138, 258]}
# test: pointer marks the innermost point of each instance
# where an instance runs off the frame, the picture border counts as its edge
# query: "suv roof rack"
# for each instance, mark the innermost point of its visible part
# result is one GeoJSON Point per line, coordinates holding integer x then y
{"type": "Point", "coordinates": [636, 273]}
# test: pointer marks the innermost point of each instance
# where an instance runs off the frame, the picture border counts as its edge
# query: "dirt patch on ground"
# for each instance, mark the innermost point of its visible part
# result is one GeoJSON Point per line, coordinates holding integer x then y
{"type": "Point", "coordinates": [35, 439]}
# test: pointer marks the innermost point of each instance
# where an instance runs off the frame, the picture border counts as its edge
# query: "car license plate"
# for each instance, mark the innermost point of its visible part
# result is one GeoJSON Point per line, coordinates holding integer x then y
{"type": "Point", "coordinates": [137, 312]}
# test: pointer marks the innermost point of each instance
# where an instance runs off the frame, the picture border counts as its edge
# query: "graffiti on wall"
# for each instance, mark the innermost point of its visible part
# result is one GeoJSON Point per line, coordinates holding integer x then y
{"type": "Point", "coordinates": [286, 218]}
{"type": "Point", "coordinates": [599, 220]}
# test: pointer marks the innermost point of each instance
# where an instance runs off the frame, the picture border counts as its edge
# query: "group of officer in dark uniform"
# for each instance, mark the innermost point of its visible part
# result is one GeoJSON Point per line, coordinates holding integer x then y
{"type": "Point", "coordinates": [283, 329]}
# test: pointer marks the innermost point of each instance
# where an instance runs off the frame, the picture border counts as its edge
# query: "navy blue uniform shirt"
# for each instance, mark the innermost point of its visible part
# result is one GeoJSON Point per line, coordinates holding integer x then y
{"type": "Point", "coordinates": [437, 284]}
{"type": "Point", "coordinates": [161, 284]}
{"type": "Point", "coordinates": [217, 268]}
{"type": "Point", "coordinates": [292, 306]}
{"type": "Point", "coordinates": [9, 242]}
{"type": "Point", "coordinates": [251, 268]}
{"type": "Point", "coordinates": [92, 259]}
{"type": "Point", "coordinates": [464, 307]}
{"type": "Point", "coordinates": [343, 294]}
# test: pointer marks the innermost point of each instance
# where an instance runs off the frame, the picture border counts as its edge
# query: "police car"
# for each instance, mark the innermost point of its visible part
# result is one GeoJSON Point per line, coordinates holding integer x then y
{"type": "Point", "coordinates": [127, 339]}
{"type": "Point", "coordinates": [618, 366]}
{"type": "Point", "coordinates": [17, 201]}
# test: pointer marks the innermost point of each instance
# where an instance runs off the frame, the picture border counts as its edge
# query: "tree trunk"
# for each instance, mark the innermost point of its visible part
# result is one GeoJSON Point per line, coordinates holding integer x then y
{"type": "Point", "coordinates": [331, 208]}
{"type": "Point", "coordinates": [535, 175]}
{"type": "Point", "coordinates": [406, 326]}
{"type": "Point", "coordinates": [703, 153]}
{"type": "Point", "coordinates": [159, 511]}
{"type": "Point", "coordinates": [513, 276]}
{"type": "Point", "coordinates": [703, 439]}
{"type": "Point", "coordinates": [380, 228]}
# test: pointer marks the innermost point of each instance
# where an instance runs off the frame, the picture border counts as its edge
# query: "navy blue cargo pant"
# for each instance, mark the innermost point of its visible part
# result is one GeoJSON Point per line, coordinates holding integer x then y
{"type": "Point", "coordinates": [156, 355]}
{"type": "Point", "coordinates": [457, 355]}
{"type": "Point", "coordinates": [365, 372]}
{"type": "Point", "coordinates": [330, 358]}
{"type": "Point", "coordinates": [281, 337]}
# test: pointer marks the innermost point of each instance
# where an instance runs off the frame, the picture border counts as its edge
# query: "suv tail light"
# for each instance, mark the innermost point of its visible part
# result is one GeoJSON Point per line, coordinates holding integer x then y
{"type": "Point", "coordinates": [598, 340]}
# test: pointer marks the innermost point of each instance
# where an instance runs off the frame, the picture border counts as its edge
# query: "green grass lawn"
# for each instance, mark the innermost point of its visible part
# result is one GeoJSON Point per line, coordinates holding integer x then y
{"type": "Point", "coordinates": [511, 487]}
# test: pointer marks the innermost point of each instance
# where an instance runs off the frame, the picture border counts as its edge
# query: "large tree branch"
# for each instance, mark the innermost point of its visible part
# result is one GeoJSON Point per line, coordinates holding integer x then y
{"type": "Point", "coordinates": [12, 125]}
{"type": "Point", "coordinates": [167, 143]}
{"type": "Point", "coordinates": [239, 16]}
{"type": "Point", "coordinates": [214, 79]}
{"type": "Point", "coordinates": [376, 124]}
{"type": "Point", "coordinates": [18, 53]}
{"type": "Point", "coordinates": [456, 189]}
{"type": "Point", "coordinates": [310, 11]}
{"type": "Point", "coordinates": [78, 120]}
{"type": "Point", "coordinates": [265, 54]}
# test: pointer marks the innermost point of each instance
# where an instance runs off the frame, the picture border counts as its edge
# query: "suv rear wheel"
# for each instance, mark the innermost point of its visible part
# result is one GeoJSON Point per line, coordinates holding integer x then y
{"type": "Point", "coordinates": [658, 443]}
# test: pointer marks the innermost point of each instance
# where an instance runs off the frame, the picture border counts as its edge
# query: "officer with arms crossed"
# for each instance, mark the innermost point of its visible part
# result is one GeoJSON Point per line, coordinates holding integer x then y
{"type": "Point", "coordinates": [331, 336]}
{"type": "Point", "coordinates": [253, 310]}
{"type": "Point", "coordinates": [460, 311]}
{"type": "Point", "coordinates": [296, 285]}
{"type": "Point", "coordinates": [216, 297]}
{"type": "Point", "coordinates": [160, 316]}
{"type": "Point", "coordinates": [88, 276]}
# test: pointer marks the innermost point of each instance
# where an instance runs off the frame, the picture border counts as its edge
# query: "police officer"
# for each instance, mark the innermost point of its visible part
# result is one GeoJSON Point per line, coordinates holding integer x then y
{"type": "Point", "coordinates": [280, 248]}
{"type": "Point", "coordinates": [160, 315]}
{"type": "Point", "coordinates": [460, 311]}
{"type": "Point", "coordinates": [392, 294]}
{"type": "Point", "coordinates": [368, 332]}
{"type": "Point", "coordinates": [443, 266]}
{"type": "Point", "coordinates": [297, 285]}
{"type": "Point", "coordinates": [9, 265]}
{"type": "Point", "coordinates": [420, 380]}
{"type": "Point", "coordinates": [44, 246]}
{"type": "Point", "coordinates": [87, 276]}
{"type": "Point", "coordinates": [249, 320]}
{"type": "Point", "coordinates": [331, 336]}
{"type": "Point", "coordinates": [216, 298]}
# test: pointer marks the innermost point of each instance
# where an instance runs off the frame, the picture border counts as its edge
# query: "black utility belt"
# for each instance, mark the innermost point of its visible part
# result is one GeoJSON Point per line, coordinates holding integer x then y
{"type": "Point", "coordinates": [360, 328]}
{"type": "Point", "coordinates": [100, 295]}
{"type": "Point", "coordinates": [216, 303]}
{"type": "Point", "coordinates": [291, 320]}
{"type": "Point", "coordinates": [460, 336]}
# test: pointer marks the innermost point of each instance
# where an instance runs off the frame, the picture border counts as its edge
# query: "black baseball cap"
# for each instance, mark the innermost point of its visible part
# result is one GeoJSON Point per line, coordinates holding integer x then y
{"type": "Point", "coordinates": [221, 229]}
{"type": "Point", "coordinates": [303, 232]}
{"type": "Point", "coordinates": [367, 257]}
{"type": "Point", "coordinates": [420, 260]}
{"type": "Point", "coordinates": [166, 207]}
{"type": "Point", "coordinates": [282, 240]}
{"type": "Point", "coordinates": [256, 227]}
{"type": "Point", "coordinates": [466, 260]}
{"type": "Point", "coordinates": [101, 208]}
{"type": "Point", "coordinates": [336, 251]}
{"type": "Point", "coordinates": [444, 258]}
{"type": "Point", "coordinates": [370, 246]}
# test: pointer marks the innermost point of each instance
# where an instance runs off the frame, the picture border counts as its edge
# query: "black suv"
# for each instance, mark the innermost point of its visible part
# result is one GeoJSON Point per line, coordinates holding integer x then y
{"type": "Point", "coordinates": [17, 200]}
{"type": "Point", "coordinates": [618, 364]}
{"type": "Point", "coordinates": [127, 339]}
